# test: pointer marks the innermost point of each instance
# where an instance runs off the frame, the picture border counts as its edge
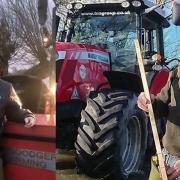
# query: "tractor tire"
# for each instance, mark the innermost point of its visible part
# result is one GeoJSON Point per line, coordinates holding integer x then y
{"type": "Point", "coordinates": [112, 136]}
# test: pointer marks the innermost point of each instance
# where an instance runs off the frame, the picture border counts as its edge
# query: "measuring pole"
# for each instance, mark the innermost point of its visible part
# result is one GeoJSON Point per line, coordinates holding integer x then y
{"type": "Point", "coordinates": [159, 1]}
{"type": "Point", "coordinates": [151, 113]}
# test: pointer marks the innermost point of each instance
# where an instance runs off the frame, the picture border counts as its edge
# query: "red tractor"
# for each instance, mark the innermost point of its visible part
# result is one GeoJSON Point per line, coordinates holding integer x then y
{"type": "Point", "coordinates": [98, 82]}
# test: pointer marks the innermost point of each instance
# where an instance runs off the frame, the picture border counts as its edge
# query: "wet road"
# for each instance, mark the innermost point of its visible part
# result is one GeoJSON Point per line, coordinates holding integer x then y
{"type": "Point", "coordinates": [66, 168]}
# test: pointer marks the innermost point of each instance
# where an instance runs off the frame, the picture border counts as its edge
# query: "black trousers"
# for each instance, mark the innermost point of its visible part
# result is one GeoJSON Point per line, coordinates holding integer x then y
{"type": "Point", "coordinates": [1, 170]}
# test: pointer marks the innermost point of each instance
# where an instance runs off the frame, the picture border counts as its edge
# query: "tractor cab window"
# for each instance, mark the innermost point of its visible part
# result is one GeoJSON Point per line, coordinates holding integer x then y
{"type": "Point", "coordinates": [149, 43]}
{"type": "Point", "coordinates": [172, 41]}
{"type": "Point", "coordinates": [115, 33]}
{"type": "Point", "coordinates": [60, 55]}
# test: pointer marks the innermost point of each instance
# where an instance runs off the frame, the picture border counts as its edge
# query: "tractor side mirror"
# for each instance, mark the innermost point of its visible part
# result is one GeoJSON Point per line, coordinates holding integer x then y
{"type": "Point", "coordinates": [176, 12]}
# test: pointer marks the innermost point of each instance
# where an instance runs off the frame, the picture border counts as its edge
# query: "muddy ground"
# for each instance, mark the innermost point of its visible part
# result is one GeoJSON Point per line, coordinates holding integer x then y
{"type": "Point", "coordinates": [66, 168]}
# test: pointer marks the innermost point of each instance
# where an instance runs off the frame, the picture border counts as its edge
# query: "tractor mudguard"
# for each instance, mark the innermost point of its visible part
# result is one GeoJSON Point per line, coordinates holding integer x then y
{"type": "Point", "coordinates": [124, 80]}
{"type": "Point", "coordinates": [69, 110]}
{"type": "Point", "coordinates": [67, 122]}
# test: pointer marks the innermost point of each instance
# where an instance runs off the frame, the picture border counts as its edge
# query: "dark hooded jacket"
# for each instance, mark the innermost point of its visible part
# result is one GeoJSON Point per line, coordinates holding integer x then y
{"type": "Point", "coordinates": [10, 105]}
{"type": "Point", "coordinates": [167, 103]}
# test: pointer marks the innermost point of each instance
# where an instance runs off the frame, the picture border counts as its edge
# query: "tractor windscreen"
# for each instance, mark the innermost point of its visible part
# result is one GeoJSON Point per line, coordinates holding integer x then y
{"type": "Point", "coordinates": [115, 33]}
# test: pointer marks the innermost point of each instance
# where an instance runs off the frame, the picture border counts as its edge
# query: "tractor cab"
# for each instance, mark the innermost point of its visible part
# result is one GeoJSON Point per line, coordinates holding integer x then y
{"type": "Point", "coordinates": [113, 26]}
{"type": "Point", "coordinates": [101, 35]}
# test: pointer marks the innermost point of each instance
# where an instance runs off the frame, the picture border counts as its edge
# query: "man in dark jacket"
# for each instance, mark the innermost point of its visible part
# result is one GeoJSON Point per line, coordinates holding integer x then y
{"type": "Point", "coordinates": [167, 103]}
{"type": "Point", "coordinates": [11, 109]}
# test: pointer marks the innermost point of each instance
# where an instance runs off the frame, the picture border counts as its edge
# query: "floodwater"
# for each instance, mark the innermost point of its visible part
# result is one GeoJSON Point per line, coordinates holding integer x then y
{"type": "Point", "coordinates": [66, 168]}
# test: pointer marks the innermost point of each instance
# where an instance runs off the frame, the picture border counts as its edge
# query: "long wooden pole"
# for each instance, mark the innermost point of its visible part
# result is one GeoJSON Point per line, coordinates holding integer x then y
{"type": "Point", "coordinates": [151, 113]}
{"type": "Point", "coordinates": [159, 1]}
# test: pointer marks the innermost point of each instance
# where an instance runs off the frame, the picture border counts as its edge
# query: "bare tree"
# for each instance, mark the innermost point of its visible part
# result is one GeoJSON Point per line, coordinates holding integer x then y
{"type": "Point", "coordinates": [9, 44]}
{"type": "Point", "coordinates": [22, 17]}
{"type": "Point", "coordinates": [60, 2]}
{"type": "Point", "coordinates": [7, 47]}
{"type": "Point", "coordinates": [27, 27]}
{"type": "Point", "coordinates": [42, 11]}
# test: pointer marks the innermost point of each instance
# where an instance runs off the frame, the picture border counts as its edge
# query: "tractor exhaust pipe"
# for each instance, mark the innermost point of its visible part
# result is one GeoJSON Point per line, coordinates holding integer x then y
{"type": "Point", "coordinates": [42, 11]}
{"type": "Point", "coordinates": [176, 12]}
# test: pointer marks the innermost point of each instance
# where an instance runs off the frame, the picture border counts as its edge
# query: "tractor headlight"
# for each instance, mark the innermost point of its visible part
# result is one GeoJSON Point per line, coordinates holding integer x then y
{"type": "Point", "coordinates": [125, 4]}
{"type": "Point", "coordinates": [69, 6]}
{"type": "Point", "coordinates": [136, 3]}
{"type": "Point", "coordinates": [45, 39]}
{"type": "Point", "coordinates": [53, 89]}
{"type": "Point", "coordinates": [78, 6]}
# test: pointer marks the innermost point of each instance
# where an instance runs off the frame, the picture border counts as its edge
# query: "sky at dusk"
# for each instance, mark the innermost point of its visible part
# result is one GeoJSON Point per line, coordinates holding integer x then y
{"type": "Point", "coordinates": [19, 65]}
{"type": "Point", "coordinates": [171, 40]}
